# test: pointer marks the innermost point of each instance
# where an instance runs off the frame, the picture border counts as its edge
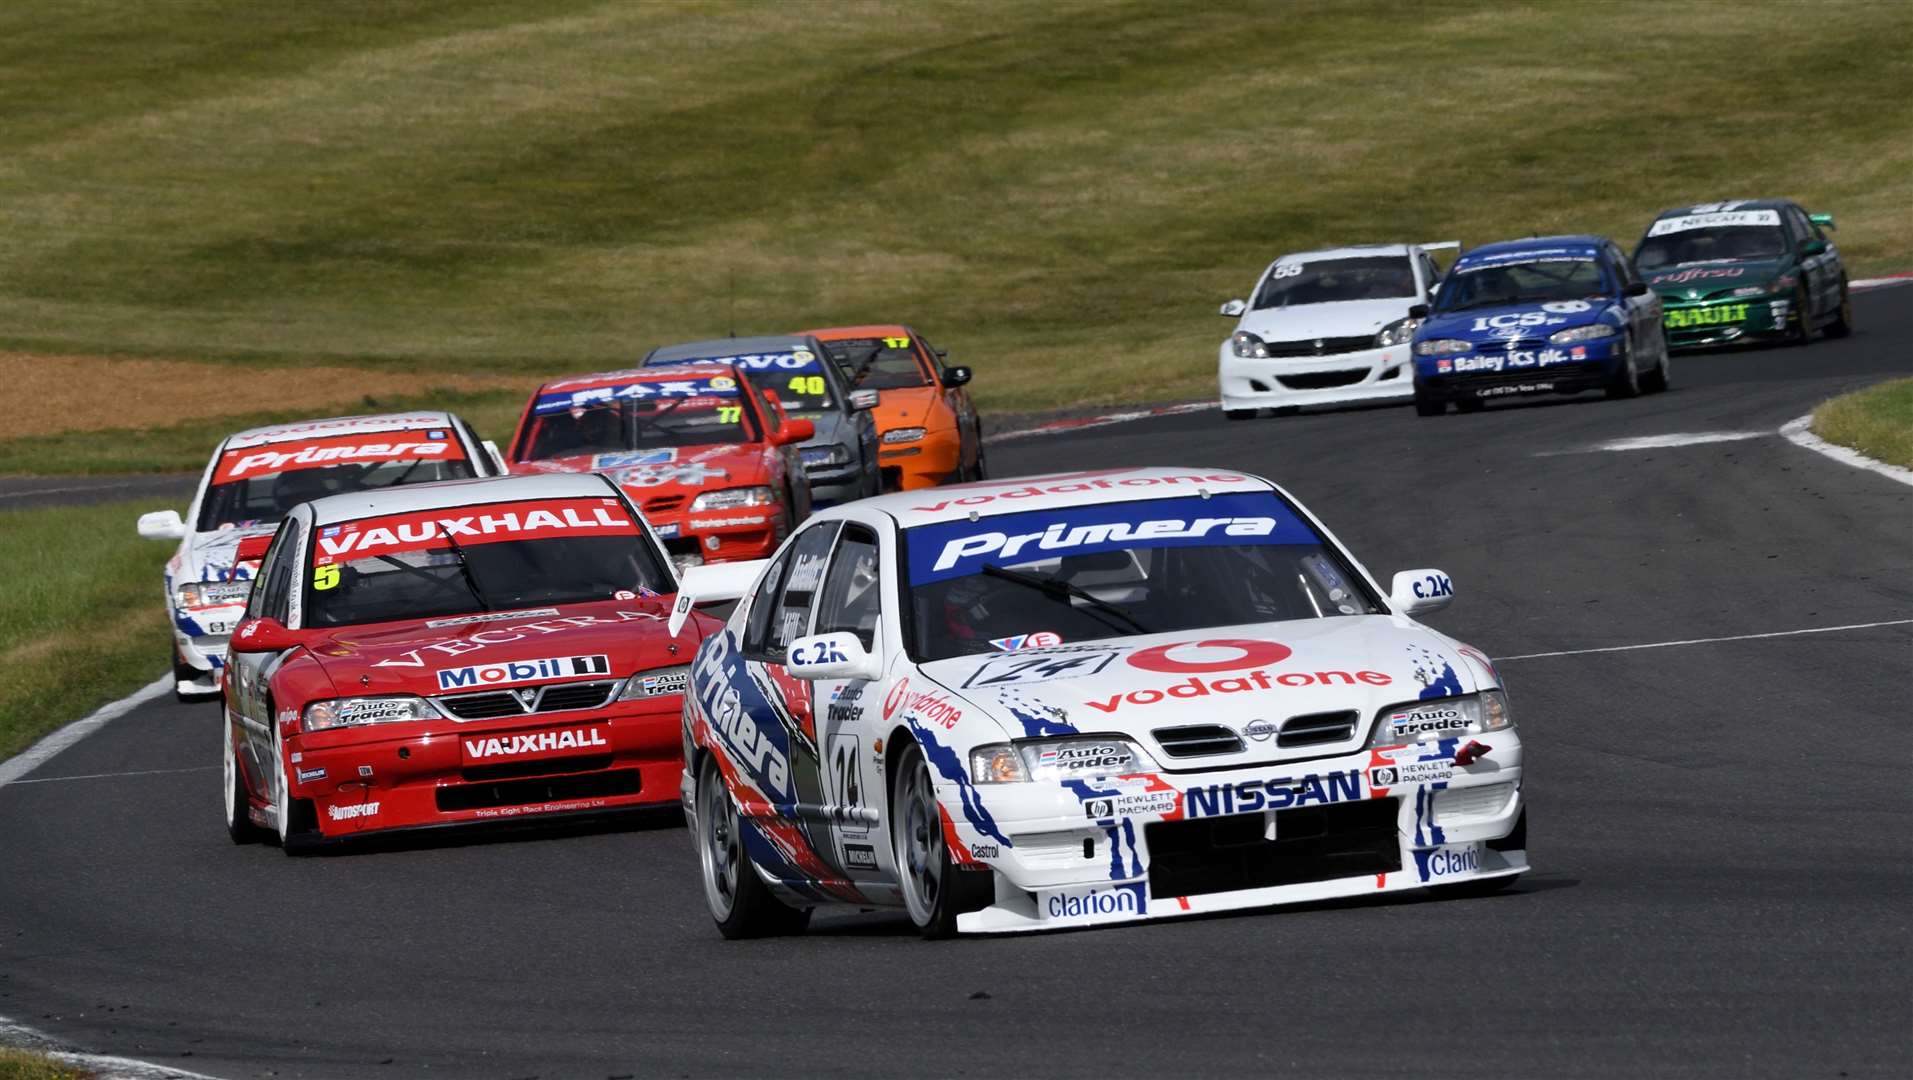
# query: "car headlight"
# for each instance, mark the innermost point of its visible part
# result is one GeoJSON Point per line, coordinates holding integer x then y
{"type": "Point", "coordinates": [658, 682]}
{"type": "Point", "coordinates": [1398, 332]}
{"type": "Point", "coordinates": [197, 594]}
{"type": "Point", "coordinates": [351, 711]}
{"type": "Point", "coordinates": [1590, 332]}
{"type": "Point", "coordinates": [903, 434]}
{"type": "Point", "coordinates": [1079, 756]}
{"type": "Point", "coordinates": [834, 454]}
{"type": "Point", "coordinates": [1438, 346]}
{"type": "Point", "coordinates": [733, 498]}
{"type": "Point", "coordinates": [1249, 347]}
{"type": "Point", "coordinates": [1444, 718]}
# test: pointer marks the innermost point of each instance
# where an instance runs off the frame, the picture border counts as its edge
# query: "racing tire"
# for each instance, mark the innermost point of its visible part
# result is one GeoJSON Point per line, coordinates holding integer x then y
{"type": "Point", "coordinates": [1802, 320]}
{"type": "Point", "coordinates": [1427, 406]}
{"type": "Point", "coordinates": [1842, 323]}
{"type": "Point", "coordinates": [1626, 382]}
{"type": "Point", "coordinates": [295, 821]}
{"type": "Point", "coordinates": [239, 824]}
{"type": "Point", "coordinates": [1240, 414]}
{"type": "Point", "coordinates": [934, 891]}
{"type": "Point", "coordinates": [1470, 405]}
{"type": "Point", "coordinates": [1655, 381]}
{"type": "Point", "coordinates": [741, 904]}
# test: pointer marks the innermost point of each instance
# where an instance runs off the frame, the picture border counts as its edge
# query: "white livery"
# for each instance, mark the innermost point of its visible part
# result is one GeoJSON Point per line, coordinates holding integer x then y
{"type": "Point", "coordinates": [254, 478]}
{"type": "Point", "coordinates": [1085, 698]}
{"type": "Point", "coordinates": [1327, 328]}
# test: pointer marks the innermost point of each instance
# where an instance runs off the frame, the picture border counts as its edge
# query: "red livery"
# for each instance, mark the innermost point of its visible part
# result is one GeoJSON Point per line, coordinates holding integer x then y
{"type": "Point", "coordinates": [449, 653]}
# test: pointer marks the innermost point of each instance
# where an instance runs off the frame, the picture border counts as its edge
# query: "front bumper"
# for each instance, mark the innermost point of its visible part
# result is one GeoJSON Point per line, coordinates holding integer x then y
{"type": "Point", "coordinates": [1709, 323]}
{"type": "Point", "coordinates": [1170, 844]}
{"type": "Point", "coordinates": [1340, 379]}
{"type": "Point", "coordinates": [1530, 367]}
{"type": "Point", "coordinates": [400, 776]}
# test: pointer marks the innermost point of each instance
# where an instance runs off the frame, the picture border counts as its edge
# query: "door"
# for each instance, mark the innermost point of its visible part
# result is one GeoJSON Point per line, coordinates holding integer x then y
{"type": "Point", "coordinates": [249, 675]}
{"type": "Point", "coordinates": [851, 601]}
{"type": "Point", "coordinates": [1820, 272]}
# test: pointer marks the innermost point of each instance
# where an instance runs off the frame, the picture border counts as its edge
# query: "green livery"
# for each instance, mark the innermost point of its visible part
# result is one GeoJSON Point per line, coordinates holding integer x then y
{"type": "Point", "coordinates": [1745, 270]}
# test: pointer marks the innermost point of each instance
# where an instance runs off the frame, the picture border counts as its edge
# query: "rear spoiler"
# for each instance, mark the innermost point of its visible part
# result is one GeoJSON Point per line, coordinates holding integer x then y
{"type": "Point", "coordinates": [713, 583]}
{"type": "Point", "coordinates": [1825, 221]}
{"type": "Point", "coordinates": [1441, 245]}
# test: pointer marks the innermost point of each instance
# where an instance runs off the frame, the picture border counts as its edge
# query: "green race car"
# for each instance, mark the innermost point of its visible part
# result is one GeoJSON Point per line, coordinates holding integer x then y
{"type": "Point", "coordinates": [1742, 271]}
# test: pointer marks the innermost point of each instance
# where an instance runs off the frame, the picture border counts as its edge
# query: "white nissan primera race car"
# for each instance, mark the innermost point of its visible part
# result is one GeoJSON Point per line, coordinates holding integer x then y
{"type": "Point", "coordinates": [1086, 698]}
{"type": "Point", "coordinates": [254, 477]}
{"type": "Point", "coordinates": [1327, 328]}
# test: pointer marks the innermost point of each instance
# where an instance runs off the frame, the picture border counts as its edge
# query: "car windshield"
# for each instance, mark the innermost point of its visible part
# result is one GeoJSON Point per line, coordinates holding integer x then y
{"type": "Point", "coordinates": [797, 377]}
{"type": "Point", "coordinates": [492, 557]}
{"type": "Point", "coordinates": [260, 483]}
{"type": "Point", "coordinates": [1719, 244]}
{"type": "Point", "coordinates": [1327, 281]}
{"type": "Point", "coordinates": [1084, 573]}
{"type": "Point", "coordinates": [886, 363]}
{"type": "Point", "coordinates": [1536, 282]}
{"type": "Point", "coordinates": [638, 423]}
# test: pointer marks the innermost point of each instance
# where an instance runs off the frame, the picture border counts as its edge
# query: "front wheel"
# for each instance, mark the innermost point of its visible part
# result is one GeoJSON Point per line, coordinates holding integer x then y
{"type": "Point", "coordinates": [741, 904]}
{"type": "Point", "coordinates": [1842, 323]}
{"type": "Point", "coordinates": [934, 890]}
{"type": "Point", "coordinates": [239, 824]}
{"type": "Point", "coordinates": [1802, 318]}
{"type": "Point", "coordinates": [1655, 381]}
{"type": "Point", "coordinates": [1626, 382]}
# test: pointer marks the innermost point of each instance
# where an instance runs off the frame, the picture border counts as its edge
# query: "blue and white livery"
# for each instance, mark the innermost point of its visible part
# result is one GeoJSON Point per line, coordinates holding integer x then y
{"type": "Point", "coordinates": [1085, 698]}
{"type": "Point", "coordinates": [1555, 315]}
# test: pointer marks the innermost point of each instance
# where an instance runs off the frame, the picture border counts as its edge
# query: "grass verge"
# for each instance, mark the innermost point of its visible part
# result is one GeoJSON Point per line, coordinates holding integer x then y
{"type": "Point", "coordinates": [28, 1065]}
{"type": "Point", "coordinates": [1877, 421]}
{"type": "Point", "coordinates": [1058, 191]}
{"type": "Point", "coordinates": [80, 619]}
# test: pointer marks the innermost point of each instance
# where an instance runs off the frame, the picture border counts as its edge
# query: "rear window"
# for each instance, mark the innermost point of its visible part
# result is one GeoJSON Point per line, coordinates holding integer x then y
{"type": "Point", "coordinates": [261, 483]}
{"type": "Point", "coordinates": [638, 423]}
{"type": "Point", "coordinates": [885, 363]}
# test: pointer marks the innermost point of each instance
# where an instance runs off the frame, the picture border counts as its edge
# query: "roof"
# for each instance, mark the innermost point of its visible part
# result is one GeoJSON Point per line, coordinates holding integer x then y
{"type": "Point", "coordinates": [1352, 251]}
{"type": "Point", "coordinates": [1573, 245]}
{"type": "Point", "coordinates": [734, 346]}
{"type": "Point", "coordinates": [409, 498]}
{"type": "Point", "coordinates": [1725, 205]}
{"type": "Point", "coordinates": [852, 333]}
{"type": "Point", "coordinates": [1094, 487]}
{"type": "Point", "coordinates": [633, 375]}
{"type": "Point", "coordinates": [338, 425]}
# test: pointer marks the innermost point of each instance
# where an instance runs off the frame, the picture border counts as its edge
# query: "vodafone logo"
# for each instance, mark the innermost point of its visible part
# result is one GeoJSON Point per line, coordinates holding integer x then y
{"type": "Point", "coordinates": [1200, 657]}
{"type": "Point", "coordinates": [895, 698]}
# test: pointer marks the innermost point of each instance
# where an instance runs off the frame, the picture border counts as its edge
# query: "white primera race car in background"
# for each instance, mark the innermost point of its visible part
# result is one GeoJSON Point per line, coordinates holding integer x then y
{"type": "Point", "coordinates": [1327, 328]}
{"type": "Point", "coordinates": [1085, 698]}
{"type": "Point", "coordinates": [254, 477]}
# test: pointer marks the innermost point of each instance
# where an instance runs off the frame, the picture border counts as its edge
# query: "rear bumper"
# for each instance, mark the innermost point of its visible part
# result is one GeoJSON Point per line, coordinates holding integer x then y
{"type": "Point", "coordinates": [932, 460]}
{"type": "Point", "coordinates": [361, 781]}
{"type": "Point", "coordinates": [1739, 322]}
{"type": "Point", "coordinates": [1344, 378]}
{"type": "Point", "coordinates": [720, 535]}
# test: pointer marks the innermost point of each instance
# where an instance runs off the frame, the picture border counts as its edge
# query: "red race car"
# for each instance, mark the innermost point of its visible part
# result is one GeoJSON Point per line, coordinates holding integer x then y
{"type": "Point", "coordinates": [708, 456]}
{"type": "Point", "coordinates": [468, 651]}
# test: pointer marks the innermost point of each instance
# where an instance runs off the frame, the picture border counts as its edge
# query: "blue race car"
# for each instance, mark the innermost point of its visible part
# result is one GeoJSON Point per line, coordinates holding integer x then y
{"type": "Point", "coordinates": [1553, 315]}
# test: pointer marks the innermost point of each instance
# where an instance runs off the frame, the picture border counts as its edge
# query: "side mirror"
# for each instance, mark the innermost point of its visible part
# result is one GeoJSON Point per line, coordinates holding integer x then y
{"type": "Point", "coordinates": [253, 548]}
{"type": "Point", "coordinates": [162, 525]}
{"type": "Point", "coordinates": [1417, 592]}
{"type": "Point", "coordinates": [498, 458]}
{"type": "Point", "coordinates": [1232, 309]}
{"type": "Point", "coordinates": [794, 431]}
{"type": "Point", "coordinates": [1634, 288]}
{"type": "Point", "coordinates": [862, 400]}
{"type": "Point", "coordinates": [832, 656]}
{"type": "Point", "coordinates": [264, 636]}
{"type": "Point", "coordinates": [956, 376]}
{"type": "Point", "coordinates": [1418, 311]}
{"type": "Point", "coordinates": [1813, 247]}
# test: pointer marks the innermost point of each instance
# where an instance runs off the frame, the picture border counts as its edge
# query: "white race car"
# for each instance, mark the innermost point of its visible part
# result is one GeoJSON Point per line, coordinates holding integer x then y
{"type": "Point", "coordinates": [254, 477]}
{"type": "Point", "coordinates": [1085, 698]}
{"type": "Point", "coordinates": [1327, 328]}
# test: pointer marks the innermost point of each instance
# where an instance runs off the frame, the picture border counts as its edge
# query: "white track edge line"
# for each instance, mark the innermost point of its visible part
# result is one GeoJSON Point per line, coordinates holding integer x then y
{"type": "Point", "coordinates": [44, 751]}
{"type": "Point", "coordinates": [1707, 640]}
{"type": "Point", "coordinates": [1797, 432]}
{"type": "Point", "coordinates": [103, 1066]}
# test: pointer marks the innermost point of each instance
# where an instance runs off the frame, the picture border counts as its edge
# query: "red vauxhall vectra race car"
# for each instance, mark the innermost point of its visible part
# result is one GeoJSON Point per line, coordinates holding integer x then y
{"type": "Point", "coordinates": [449, 653]}
{"type": "Point", "coordinates": [709, 457]}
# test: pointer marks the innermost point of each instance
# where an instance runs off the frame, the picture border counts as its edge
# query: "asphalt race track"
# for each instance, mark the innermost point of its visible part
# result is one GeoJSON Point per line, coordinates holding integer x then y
{"type": "Point", "coordinates": [1720, 830]}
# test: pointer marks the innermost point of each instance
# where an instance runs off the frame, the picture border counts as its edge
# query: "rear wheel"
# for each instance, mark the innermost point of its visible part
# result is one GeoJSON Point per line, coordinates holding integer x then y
{"type": "Point", "coordinates": [740, 902]}
{"type": "Point", "coordinates": [1842, 323]}
{"type": "Point", "coordinates": [934, 890]}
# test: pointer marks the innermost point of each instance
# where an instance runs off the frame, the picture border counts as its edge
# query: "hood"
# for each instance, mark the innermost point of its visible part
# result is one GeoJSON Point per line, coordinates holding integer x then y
{"type": "Point", "coordinates": [1267, 673]}
{"type": "Point", "coordinates": [1514, 320]}
{"type": "Point", "coordinates": [1347, 318]}
{"type": "Point", "coordinates": [668, 470]}
{"type": "Point", "coordinates": [501, 650]}
{"type": "Point", "coordinates": [210, 556]}
{"type": "Point", "coordinates": [909, 407]}
{"type": "Point", "coordinates": [1691, 281]}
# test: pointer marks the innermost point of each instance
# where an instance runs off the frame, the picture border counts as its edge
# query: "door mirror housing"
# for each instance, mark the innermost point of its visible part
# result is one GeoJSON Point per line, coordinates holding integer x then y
{"type": "Point", "coordinates": [1232, 309]}
{"type": "Point", "coordinates": [265, 635]}
{"type": "Point", "coordinates": [1815, 246]}
{"type": "Point", "coordinates": [862, 400]}
{"type": "Point", "coordinates": [1418, 592]}
{"type": "Point", "coordinates": [162, 525]}
{"type": "Point", "coordinates": [1418, 311]}
{"type": "Point", "coordinates": [1634, 288]}
{"type": "Point", "coordinates": [955, 376]}
{"type": "Point", "coordinates": [839, 655]}
{"type": "Point", "coordinates": [794, 431]}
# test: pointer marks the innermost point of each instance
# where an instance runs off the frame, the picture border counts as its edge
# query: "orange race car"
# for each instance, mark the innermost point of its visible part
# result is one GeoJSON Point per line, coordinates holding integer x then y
{"type": "Point", "coordinates": [927, 430]}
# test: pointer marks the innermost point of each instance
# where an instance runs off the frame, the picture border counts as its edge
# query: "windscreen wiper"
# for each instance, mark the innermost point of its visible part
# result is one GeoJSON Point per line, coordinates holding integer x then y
{"type": "Point", "coordinates": [465, 571]}
{"type": "Point", "coordinates": [1058, 589]}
